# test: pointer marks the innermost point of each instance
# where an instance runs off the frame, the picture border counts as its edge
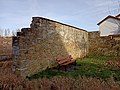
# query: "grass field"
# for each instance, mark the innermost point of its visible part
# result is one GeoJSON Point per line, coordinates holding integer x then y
{"type": "Point", "coordinates": [92, 73]}
{"type": "Point", "coordinates": [94, 66]}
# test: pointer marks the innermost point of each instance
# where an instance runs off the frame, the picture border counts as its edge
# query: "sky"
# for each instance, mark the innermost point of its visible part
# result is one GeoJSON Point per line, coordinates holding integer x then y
{"type": "Point", "coordinates": [85, 14]}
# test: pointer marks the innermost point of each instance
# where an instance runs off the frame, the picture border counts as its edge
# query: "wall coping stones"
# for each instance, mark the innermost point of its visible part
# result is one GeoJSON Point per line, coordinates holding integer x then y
{"type": "Point", "coordinates": [59, 23]}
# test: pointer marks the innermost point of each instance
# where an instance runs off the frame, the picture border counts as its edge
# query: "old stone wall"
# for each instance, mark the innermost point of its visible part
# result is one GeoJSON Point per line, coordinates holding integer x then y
{"type": "Point", "coordinates": [36, 48]}
{"type": "Point", "coordinates": [108, 46]}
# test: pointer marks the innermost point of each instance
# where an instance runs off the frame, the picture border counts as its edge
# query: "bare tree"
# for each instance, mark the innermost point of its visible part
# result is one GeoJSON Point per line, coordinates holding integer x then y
{"type": "Point", "coordinates": [118, 27]}
{"type": "Point", "coordinates": [6, 32]}
{"type": "Point", "coordinates": [13, 33]}
{"type": "Point", "coordinates": [116, 11]}
{"type": "Point", "coordinates": [1, 32]}
{"type": "Point", "coordinates": [116, 4]}
{"type": "Point", "coordinates": [18, 30]}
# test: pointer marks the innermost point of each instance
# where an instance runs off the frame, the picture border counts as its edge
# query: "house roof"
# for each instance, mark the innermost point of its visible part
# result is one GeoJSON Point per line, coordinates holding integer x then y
{"type": "Point", "coordinates": [117, 15]}
{"type": "Point", "coordinates": [108, 18]}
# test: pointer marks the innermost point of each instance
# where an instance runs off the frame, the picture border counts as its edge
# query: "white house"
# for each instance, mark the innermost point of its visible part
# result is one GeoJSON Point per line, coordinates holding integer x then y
{"type": "Point", "coordinates": [109, 25]}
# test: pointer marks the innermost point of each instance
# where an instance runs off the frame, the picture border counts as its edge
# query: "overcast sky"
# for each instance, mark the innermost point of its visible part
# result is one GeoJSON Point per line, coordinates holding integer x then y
{"type": "Point", "coordinates": [84, 14]}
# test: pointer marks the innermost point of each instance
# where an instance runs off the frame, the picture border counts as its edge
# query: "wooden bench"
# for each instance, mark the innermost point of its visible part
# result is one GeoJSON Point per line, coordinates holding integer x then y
{"type": "Point", "coordinates": [65, 60]}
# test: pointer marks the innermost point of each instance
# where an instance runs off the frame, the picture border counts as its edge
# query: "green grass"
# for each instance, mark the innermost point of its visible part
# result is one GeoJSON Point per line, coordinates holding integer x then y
{"type": "Point", "coordinates": [93, 66]}
{"type": "Point", "coordinates": [49, 73]}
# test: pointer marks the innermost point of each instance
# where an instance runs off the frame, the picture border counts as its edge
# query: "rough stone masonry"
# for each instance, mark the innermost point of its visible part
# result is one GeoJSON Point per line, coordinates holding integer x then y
{"type": "Point", "coordinates": [104, 46]}
{"type": "Point", "coordinates": [36, 48]}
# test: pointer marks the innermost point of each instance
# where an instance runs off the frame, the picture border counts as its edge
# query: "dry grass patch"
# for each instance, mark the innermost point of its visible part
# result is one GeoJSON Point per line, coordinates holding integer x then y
{"type": "Point", "coordinates": [9, 81]}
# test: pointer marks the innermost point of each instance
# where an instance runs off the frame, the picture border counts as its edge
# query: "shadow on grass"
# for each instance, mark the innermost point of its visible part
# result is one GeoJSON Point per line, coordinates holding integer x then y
{"type": "Point", "coordinates": [89, 67]}
{"type": "Point", "coordinates": [48, 73]}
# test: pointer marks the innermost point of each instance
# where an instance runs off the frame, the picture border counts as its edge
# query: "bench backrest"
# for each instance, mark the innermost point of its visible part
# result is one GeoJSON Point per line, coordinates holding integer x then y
{"type": "Point", "coordinates": [64, 59]}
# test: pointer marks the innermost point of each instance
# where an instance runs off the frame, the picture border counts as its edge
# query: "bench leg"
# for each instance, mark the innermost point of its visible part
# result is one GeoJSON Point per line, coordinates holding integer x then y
{"type": "Point", "coordinates": [75, 63]}
{"type": "Point", "coordinates": [58, 67]}
{"type": "Point", "coordinates": [65, 67]}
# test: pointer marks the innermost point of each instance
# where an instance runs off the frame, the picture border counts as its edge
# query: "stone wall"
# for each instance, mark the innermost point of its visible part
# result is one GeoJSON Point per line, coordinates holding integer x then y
{"type": "Point", "coordinates": [36, 48]}
{"type": "Point", "coordinates": [108, 46]}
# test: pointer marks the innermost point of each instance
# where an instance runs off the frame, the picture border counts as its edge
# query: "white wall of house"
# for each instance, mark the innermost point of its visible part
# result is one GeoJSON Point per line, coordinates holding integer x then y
{"type": "Point", "coordinates": [118, 17]}
{"type": "Point", "coordinates": [109, 27]}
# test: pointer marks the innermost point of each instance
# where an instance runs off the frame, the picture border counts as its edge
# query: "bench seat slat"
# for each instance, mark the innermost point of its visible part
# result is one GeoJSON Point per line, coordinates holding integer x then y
{"type": "Point", "coordinates": [68, 62]}
{"type": "Point", "coordinates": [65, 60]}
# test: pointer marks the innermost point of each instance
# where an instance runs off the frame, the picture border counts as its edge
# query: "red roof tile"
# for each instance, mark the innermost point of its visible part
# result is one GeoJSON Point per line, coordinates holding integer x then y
{"type": "Point", "coordinates": [117, 15]}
